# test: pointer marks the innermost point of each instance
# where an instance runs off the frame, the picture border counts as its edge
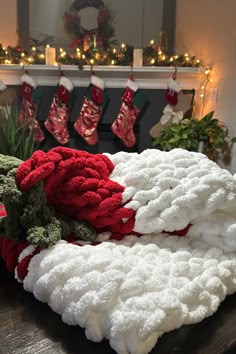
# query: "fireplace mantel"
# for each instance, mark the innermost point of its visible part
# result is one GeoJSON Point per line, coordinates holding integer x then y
{"type": "Point", "coordinates": [114, 76]}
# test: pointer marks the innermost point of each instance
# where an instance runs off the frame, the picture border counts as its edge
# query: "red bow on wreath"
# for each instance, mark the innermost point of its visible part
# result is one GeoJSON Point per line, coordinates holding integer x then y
{"type": "Point", "coordinates": [69, 19]}
{"type": "Point", "coordinates": [74, 43]}
{"type": "Point", "coordinates": [86, 38]}
{"type": "Point", "coordinates": [102, 16]}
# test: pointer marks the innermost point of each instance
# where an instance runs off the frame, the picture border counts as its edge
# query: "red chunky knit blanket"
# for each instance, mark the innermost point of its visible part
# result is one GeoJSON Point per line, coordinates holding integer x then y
{"type": "Point", "coordinates": [77, 184]}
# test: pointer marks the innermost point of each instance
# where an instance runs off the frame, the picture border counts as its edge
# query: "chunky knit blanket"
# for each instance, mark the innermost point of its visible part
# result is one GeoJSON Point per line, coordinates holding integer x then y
{"type": "Point", "coordinates": [167, 258]}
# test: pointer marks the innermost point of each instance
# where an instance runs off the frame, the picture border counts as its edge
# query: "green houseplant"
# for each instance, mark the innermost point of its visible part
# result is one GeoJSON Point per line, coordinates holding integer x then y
{"type": "Point", "coordinates": [190, 134]}
{"type": "Point", "coordinates": [15, 140]}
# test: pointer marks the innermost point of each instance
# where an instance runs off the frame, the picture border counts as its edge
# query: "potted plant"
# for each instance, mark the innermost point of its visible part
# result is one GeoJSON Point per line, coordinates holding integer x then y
{"type": "Point", "coordinates": [207, 135]}
{"type": "Point", "coordinates": [15, 140]}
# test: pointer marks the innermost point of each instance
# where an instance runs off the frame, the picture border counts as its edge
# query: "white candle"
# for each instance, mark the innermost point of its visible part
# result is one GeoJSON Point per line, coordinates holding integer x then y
{"type": "Point", "coordinates": [94, 42]}
{"type": "Point", "coordinates": [138, 57]}
{"type": "Point", "coordinates": [50, 55]}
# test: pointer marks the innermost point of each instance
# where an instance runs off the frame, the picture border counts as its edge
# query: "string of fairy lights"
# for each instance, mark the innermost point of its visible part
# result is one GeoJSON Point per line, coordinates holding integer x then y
{"type": "Point", "coordinates": [204, 87]}
{"type": "Point", "coordinates": [121, 55]}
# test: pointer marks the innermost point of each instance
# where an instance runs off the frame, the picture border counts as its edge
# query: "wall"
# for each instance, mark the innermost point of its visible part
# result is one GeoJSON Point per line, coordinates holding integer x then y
{"type": "Point", "coordinates": [206, 28]}
{"type": "Point", "coordinates": [8, 20]}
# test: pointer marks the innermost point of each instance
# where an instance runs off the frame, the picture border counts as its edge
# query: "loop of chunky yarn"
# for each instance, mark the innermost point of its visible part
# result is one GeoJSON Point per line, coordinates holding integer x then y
{"type": "Point", "coordinates": [10, 251]}
{"type": "Point", "coordinates": [77, 185]}
{"type": "Point", "coordinates": [28, 217]}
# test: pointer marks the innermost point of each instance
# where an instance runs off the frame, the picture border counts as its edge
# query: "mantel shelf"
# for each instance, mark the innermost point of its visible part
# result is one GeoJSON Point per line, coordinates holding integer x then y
{"type": "Point", "coordinates": [147, 77]}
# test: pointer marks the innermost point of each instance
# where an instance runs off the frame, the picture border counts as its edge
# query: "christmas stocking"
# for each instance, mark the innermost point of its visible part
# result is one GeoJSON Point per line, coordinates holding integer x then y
{"type": "Point", "coordinates": [173, 89]}
{"type": "Point", "coordinates": [31, 96]}
{"type": "Point", "coordinates": [92, 109]}
{"type": "Point", "coordinates": [59, 113]}
{"type": "Point", "coordinates": [133, 102]}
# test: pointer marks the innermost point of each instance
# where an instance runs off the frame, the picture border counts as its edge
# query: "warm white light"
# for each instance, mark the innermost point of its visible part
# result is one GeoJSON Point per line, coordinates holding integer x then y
{"type": "Point", "coordinates": [112, 62]}
{"type": "Point", "coordinates": [152, 42]}
{"type": "Point", "coordinates": [202, 95]}
{"type": "Point", "coordinates": [47, 46]}
{"type": "Point", "coordinates": [211, 80]}
{"type": "Point", "coordinates": [22, 55]}
{"type": "Point", "coordinates": [114, 50]}
{"type": "Point", "coordinates": [202, 87]}
{"type": "Point", "coordinates": [171, 59]}
{"type": "Point", "coordinates": [122, 45]}
{"type": "Point", "coordinates": [91, 61]}
{"type": "Point", "coordinates": [33, 49]}
{"type": "Point", "coordinates": [152, 61]}
{"type": "Point", "coordinates": [207, 72]}
{"type": "Point", "coordinates": [83, 56]}
{"type": "Point", "coordinates": [159, 52]}
{"type": "Point", "coordinates": [186, 54]}
{"type": "Point", "coordinates": [61, 50]}
{"type": "Point", "coordinates": [42, 56]}
{"type": "Point", "coordinates": [198, 61]}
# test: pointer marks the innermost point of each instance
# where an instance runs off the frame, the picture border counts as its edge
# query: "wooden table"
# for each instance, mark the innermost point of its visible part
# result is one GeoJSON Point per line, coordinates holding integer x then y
{"type": "Point", "coordinates": [30, 327]}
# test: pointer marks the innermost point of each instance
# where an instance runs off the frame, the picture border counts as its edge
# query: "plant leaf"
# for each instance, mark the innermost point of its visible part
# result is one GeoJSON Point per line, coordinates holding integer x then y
{"type": "Point", "coordinates": [208, 116]}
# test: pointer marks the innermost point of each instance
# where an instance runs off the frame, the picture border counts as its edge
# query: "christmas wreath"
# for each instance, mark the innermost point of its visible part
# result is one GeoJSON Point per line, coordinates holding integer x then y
{"type": "Point", "coordinates": [100, 37]}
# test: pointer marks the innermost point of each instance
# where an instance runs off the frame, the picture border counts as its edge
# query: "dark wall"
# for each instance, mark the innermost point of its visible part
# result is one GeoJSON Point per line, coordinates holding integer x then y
{"type": "Point", "coordinates": [108, 142]}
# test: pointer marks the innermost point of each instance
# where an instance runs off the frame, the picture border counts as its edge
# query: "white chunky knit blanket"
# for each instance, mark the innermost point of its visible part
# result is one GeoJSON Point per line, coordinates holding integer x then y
{"type": "Point", "coordinates": [132, 291]}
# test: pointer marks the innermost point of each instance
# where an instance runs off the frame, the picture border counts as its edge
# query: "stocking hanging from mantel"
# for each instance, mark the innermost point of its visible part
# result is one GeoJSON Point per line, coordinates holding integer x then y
{"type": "Point", "coordinates": [31, 96]}
{"type": "Point", "coordinates": [133, 101]}
{"type": "Point", "coordinates": [173, 90]}
{"type": "Point", "coordinates": [60, 109]}
{"type": "Point", "coordinates": [95, 100]}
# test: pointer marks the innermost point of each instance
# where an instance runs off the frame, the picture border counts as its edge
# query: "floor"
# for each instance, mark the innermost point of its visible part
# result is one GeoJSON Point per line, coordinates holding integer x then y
{"type": "Point", "coordinates": [30, 327]}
